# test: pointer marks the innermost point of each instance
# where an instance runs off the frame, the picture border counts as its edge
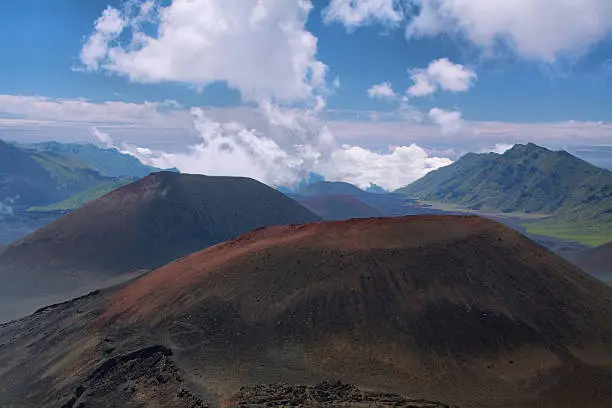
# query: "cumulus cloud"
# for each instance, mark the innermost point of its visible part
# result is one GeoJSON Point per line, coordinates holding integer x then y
{"type": "Point", "coordinates": [382, 91]}
{"type": "Point", "coordinates": [292, 148]}
{"type": "Point", "coordinates": [107, 28]}
{"type": "Point", "coordinates": [262, 49]}
{"type": "Point", "coordinates": [450, 122]}
{"type": "Point", "coordinates": [356, 13]}
{"type": "Point", "coordinates": [390, 170]}
{"type": "Point", "coordinates": [538, 30]}
{"type": "Point", "coordinates": [231, 149]}
{"type": "Point", "coordinates": [441, 74]}
{"type": "Point", "coordinates": [258, 47]}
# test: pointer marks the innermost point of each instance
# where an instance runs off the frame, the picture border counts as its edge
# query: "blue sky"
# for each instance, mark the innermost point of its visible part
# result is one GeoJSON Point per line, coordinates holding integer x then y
{"type": "Point", "coordinates": [523, 80]}
{"type": "Point", "coordinates": [42, 40]}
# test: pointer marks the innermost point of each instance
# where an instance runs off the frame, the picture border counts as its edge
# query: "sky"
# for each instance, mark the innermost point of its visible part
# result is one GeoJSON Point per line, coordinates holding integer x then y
{"type": "Point", "coordinates": [365, 91]}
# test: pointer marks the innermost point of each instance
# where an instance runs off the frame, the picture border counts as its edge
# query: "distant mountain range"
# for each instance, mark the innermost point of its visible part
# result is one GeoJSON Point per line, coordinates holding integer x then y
{"type": "Point", "coordinates": [109, 162]}
{"type": "Point", "coordinates": [53, 177]}
{"type": "Point", "coordinates": [575, 195]}
{"type": "Point", "coordinates": [33, 177]}
{"type": "Point", "coordinates": [567, 198]}
{"type": "Point", "coordinates": [46, 173]}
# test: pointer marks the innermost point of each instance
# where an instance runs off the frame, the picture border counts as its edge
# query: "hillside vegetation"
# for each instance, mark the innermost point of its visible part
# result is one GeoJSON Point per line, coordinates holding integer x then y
{"type": "Point", "coordinates": [31, 177]}
{"type": "Point", "coordinates": [80, 199]}
{"type": "Point", "coordinates": [575, 196]}
{"type": "Point", "coordinates": [108, 161]}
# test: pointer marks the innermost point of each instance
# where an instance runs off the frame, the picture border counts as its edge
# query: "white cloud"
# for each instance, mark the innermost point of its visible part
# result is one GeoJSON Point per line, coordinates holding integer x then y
{"type": "Point", "coordinates": [83, 110]}
{"type": "Point", "coordinates": [158, 123]}
{"type": "Point", "coordinates": [231, 148]}
{"type": "Point", "coordinates": [382, 91]}
{"type": "Point", "coordinates": [499, 148]}
{"type": "Point", "coordinates": [397, 168]}
{"type": "Point", "coordinates": [441, 74]}
{"type": "Point", "coordinates": [37, 118]}
{"type": "Point", "coordinates": [534, 29]}
{"type": "Point", "coordinates": [107, 28]}
{"type": "Point", "coordinates": [356, 13]}
{"type": "Point", "coordinates": [258, 47]}
{"type": "Point", "coordinates": [262, 49]}
{"type": "Point", "coordinates": [450, 122]}
{"type": "Point", "coordinates": [277, 145]}
{"type": "Point", "coordinates": [103, 137]}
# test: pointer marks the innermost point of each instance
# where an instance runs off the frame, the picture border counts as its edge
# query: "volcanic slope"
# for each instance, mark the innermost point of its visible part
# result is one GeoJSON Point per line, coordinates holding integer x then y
{"type": "Point", "coordinates": [460, 310]}
{"type": "Point", "coordinates": [598, 262]}
{"type": "Point", "coordinates": [139, 227]}
{"type": "Point", "coordinates": [338, 207]}
{"type": "Point", "coordinates": [323, 188]}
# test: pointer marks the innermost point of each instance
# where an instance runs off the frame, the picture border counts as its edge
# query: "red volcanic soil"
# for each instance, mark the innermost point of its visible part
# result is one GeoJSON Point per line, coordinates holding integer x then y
{"type": "Point", "coordinates": [460, 310]}
{"type": "Point", "coordinates": [598, 262]}
{"type": "Point", "coordinates": [457, 309]}
{"type": "Point", "coordinates": [339, 207]}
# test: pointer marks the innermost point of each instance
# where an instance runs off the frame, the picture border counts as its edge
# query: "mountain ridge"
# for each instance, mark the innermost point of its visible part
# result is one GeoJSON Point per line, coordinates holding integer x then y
{"type": "Point", "coordinates": [576, 195]}
{"type": "Point", "coordinates": [108, 161]}
{"type": "Point", "coordinates": [31, 177]}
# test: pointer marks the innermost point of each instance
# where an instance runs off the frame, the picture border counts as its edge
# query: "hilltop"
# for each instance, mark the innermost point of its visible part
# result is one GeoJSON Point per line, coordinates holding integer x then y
{"type": "Point", "coordinates": [461, 310]}
{"type": "Point", "coordinates": [528, 179]}
{"type": "Point", "coordinates": [322, 188]}
{"type": "Point", "coordinates": [338, 207]}
{"type": "Point", "coordinates": [140, 226]}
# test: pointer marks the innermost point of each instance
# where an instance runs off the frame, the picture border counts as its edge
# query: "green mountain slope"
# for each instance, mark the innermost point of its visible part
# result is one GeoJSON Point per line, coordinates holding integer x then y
{"type": "Point", "coordinates": [80, 199]}
{"type": "Point", "coordinates": [30, 177]}
{"type": "Point", "coordinates": [109, 162]}
{"type": "Point", "coordinates": [576, 196]}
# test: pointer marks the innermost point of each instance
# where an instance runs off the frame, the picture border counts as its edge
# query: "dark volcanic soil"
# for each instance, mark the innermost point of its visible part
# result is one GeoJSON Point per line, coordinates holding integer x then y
{"type": "Point", "coordinates": [460, 310]}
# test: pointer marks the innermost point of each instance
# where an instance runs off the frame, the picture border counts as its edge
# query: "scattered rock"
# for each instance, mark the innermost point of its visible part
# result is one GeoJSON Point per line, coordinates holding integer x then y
{"type": "Point", "coordinates": [325, 394]}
